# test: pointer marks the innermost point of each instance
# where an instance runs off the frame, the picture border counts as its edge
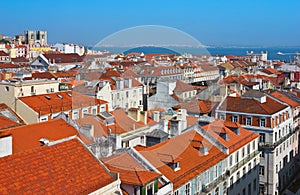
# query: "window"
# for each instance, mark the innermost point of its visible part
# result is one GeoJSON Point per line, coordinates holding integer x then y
{"type": "Point", "coordinates": [262, 137]}
{"type": "Point", "coordinates": [234, 118]}
{"type": "Point", "coordinates": [238, 176]}
{"type": "Point", "coordinates": [198, 184]}
{"type": "Point", "coordinates": [237, 157]}
{"type": "Point", "coordinates": [217, 191]}
{"type": "Point", "coordinates": [249, 188]}
{"type": "Point", "coordinates": [75, 115]}
{"type": "Point", "coordinates": [248, 120]}
{"type": "Point", "coordinates": [276, 168]}
{"type": "Point", "coordinates": [231, 182]}
{"type": "Point", "coordinates": [230, 160]}
{"type": "Point", "coordinates": [244, 171]}
{"type": "Point", "coordinates": [249, 167]}
{"type": "Point", "coordinates": [262, 122]}
{"type": "Point", "coordinates": [261, 170]}
{"type": "Point", "coordinates": [253, 145]}
{"type": "Point", "coordinates": [94, 110]}
{"type": "Point", "coordinates": [254, 185]}
{"type": "Point", "coordinates": [44, 119]}
{"type": "Point", "coordinates": [275, 136]}
{"type": "Point", "coordinates": [102, 108]}
{"type": "Point", "coordinates": [127, 94]}
{"type": "Point", "coordinates": [84, 111]}
{"type": "Point", "coordinates": [248, 149]}
{"type": "Point", "coordinates": [142, 140]}
{"type": "Point", "coordinates": [6, 88]}
{"type": "Point", "coordinates": [243, 152]}
{"type": "Point", "coordinates": [187, 189]}
{"type": "Point", "coordinates": [176, 192]}
{"type": "Point", "coordinates": [222, 116]}
{"type": "Point", "coordinates": [118, 96]}
{"type": "Point", "coordinates": [150, 189]}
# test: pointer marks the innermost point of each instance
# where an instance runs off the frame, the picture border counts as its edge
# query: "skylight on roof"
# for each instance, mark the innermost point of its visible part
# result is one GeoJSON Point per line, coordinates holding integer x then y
{"type": "Point", "coordinates": [58, 95]}
{"type": "Point", "coordinates": [70, 95]}
{"type": "Point", "coordinates": [48, 97]}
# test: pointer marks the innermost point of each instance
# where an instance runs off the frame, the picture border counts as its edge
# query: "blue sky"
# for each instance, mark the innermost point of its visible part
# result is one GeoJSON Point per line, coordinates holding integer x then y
{"type": "Point", "coordinates": [212, 22]}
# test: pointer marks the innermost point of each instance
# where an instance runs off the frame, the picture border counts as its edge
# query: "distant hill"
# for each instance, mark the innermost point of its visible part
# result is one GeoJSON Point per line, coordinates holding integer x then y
{"type": "Point", "coordinates": [151, 50]}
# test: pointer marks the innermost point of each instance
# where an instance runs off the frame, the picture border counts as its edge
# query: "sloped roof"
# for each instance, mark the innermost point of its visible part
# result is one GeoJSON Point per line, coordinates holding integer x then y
{"type": "Point", "coordinates": [234, 141]}
{"type": "Point", "coordinates": [131, 172]}
{"type": "Point", "coordinates": [28, 137]}
{"type": "Point", "coordinates": [7, 123]}
{"type": "Point", "coordinates": [181, 148]}
{"type": "Point", "coordinates": [182, 87]}
{"type": "Point", "coordinates": [285, 98]}
{"type": "Point", "coordinates": [58, 102]}
{"type": "Point", "coordinates": [63, 57]}
{"type": "Point", "coordinates": [248, 105]}
{"type": "Point", "coordinates": [63, 168]}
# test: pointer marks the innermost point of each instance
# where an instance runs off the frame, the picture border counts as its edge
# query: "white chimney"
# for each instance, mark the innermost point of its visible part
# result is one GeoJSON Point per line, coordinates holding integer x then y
{"type": "Point", "coordinates": [5, 146]}
{"type": "Point", "coordinates": [156, 116]}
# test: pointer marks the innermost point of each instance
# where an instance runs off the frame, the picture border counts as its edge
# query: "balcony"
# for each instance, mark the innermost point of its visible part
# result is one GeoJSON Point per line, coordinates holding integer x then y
{"type": "Point", "coordinates": [243, 162]}
{"type": "Point", "coordinates": [215, 183]}
{"type": "Point", "coordinates": [268, 145]}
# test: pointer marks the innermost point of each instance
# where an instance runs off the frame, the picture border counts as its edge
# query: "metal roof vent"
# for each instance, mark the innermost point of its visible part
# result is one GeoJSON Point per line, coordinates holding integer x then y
{"type": "Point", "coordinates": [44, 141]}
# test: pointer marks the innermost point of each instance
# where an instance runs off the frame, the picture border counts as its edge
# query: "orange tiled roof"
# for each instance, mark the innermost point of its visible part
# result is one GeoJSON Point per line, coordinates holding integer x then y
{"type": "Point", "coordinates": [234, 141]}
{"type": "Point", "coordinates": [131, 172]}
{"type": "Point", "coordinates": [100, 129]}
{"type": "Point", "coordinates": [67, 167]}
{"type": "Point", "coordinates": [43, 75]}
{"type": "Point", "coordinates": [181, 148]}
{"type": "Point", "coordinates": [247, 105]}
{"type": "Point", "coordinates": [182, 87]}
{"type": "Point", "coordinates": [281, 96]}
{"type": "Point", "coordinates": [63, 57]}
{"type": "Point", "coordinates": [27, 137]}
{"type": "Point", "coordinates": [7, 123]}
{"type": "Point", "coordinates": [123, 123]}
{"type": "Point", "coordinates": [52, 103]}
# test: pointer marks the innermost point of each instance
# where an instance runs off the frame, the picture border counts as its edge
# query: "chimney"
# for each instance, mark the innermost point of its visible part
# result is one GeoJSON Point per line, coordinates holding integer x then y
{"type": "Point", "coordinates": [6, 146]}
{"type": "Point", "coordinates": [204, 150]}
{"type": "Point", "coordinates": [143, 117]}
{"type": "Point", "coordinates": [89, 128]}
{"type": "Point", "coordinates": [156, 116]}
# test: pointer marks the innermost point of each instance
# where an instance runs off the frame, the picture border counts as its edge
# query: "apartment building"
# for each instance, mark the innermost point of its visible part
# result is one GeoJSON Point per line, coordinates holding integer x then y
{"type": "Point", "coordinates": [278, 142]}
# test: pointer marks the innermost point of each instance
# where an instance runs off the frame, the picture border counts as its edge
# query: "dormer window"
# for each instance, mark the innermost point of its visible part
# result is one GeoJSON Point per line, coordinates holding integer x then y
{"type": "Point", "coordinates": [263, 122]}
{"type": "Point", "coordinates": [224, 136]}
{"type": "Point", "coordinates": [235, 119]}
{"type": "Point", "coordinates": [248, 121]}
{"type": "Point", "coordinates": [174, 165]}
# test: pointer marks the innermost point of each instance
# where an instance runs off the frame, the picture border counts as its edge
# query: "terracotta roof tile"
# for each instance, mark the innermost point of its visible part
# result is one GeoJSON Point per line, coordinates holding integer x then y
{"type": "Point", "coordinates": [281, 96]}
{"type": "Point", "coordinates": [67, 167]}
{"type": "Point", "coordinates": [60, 101]}
{"type": "Point", "coordinates": [64, 58]}
{"type": "Point", "coordinates": [247, 105]}
{"type": "Point", "coordinates": [181, 148]}
{"type": "Point", "coordinates": [27, 137]}
{"type": "Point", "coordinates": [182, 87]}
{"type": "Point", "coordinates": [131, 172]}
{"type": "Point", "coordinates": [234, 141]}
